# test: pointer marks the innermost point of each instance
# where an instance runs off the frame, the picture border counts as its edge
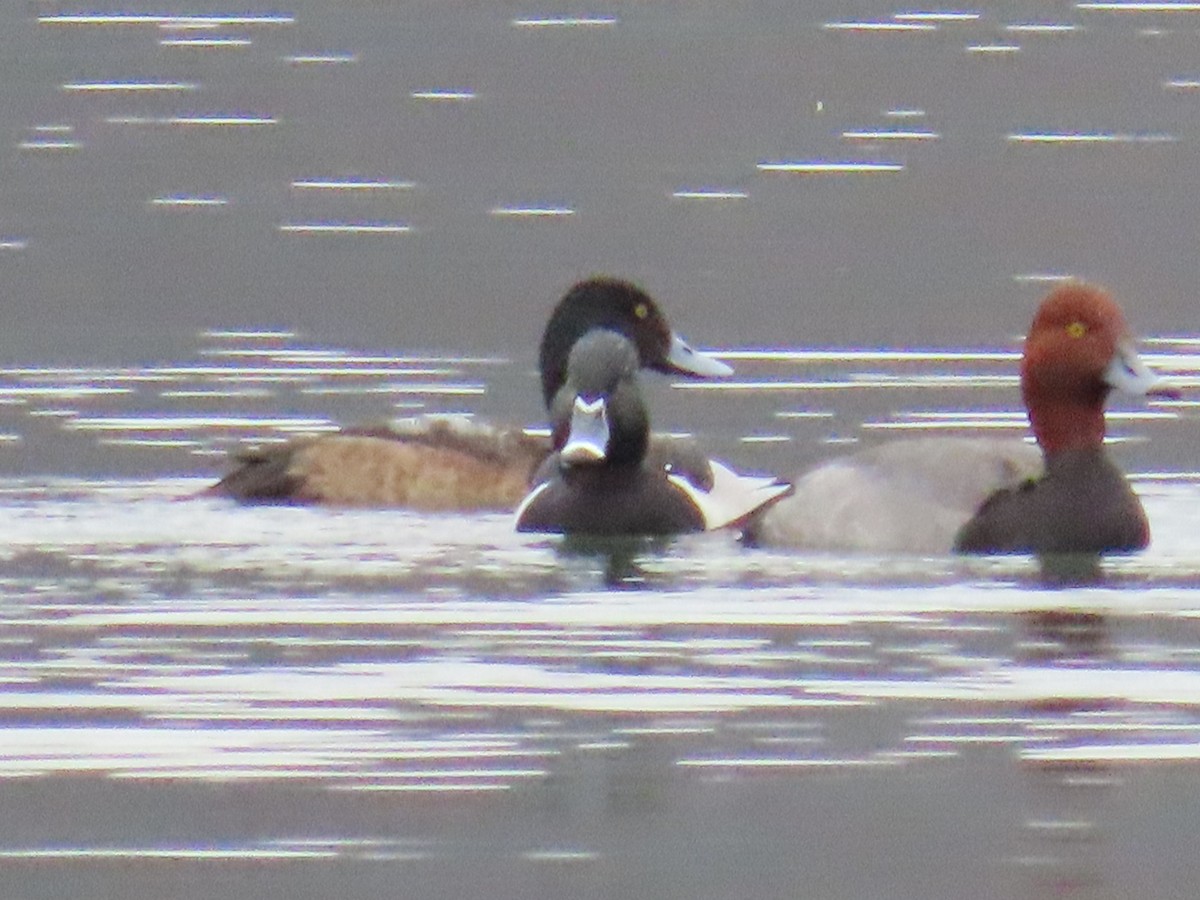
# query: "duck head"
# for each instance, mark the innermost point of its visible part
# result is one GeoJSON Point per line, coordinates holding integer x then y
{"type": "Point", "coordinates": [622, 307]}
{"type": "Point", "coordinates": [1078, 349]}
{"type": "Point", "coordinates": [599, 412]}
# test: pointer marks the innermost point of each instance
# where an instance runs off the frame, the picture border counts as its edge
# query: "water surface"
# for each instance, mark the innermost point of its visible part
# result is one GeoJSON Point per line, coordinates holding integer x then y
{"type": "Point", "coordinates": [321, 700]}
{"type": "Point", "coordinates": [224, 225]}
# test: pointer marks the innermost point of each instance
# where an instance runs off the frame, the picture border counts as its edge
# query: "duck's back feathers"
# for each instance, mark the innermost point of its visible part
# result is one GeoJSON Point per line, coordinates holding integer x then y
{"type": "Point", "coordinates": [427, 464]}
{"type": "Point", "coordinates": [909, 496]}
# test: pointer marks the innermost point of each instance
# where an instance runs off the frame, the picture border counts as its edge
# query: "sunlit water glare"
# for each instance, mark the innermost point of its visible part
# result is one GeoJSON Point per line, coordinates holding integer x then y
{"type": "Point", "coordinates": [203, 700]}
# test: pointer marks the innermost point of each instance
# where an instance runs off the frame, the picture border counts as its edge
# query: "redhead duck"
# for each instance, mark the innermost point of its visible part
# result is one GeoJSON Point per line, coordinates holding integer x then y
{"type": "Point", "coordinates": [601, 481]}
{"type": "Point", "coordinates": [440, 464]}
{"type": "Point", "coordinates": [971, 495]}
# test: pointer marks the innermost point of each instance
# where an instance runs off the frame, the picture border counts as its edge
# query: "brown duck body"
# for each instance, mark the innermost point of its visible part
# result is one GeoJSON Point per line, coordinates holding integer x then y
{"type": "Point", "coordinates": [429, 465]}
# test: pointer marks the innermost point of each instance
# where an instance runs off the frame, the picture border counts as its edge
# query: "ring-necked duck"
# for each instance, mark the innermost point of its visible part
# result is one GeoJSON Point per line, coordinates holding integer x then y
{"type": "Point", "coordinates": [442, 464]}
{"type": "Point", "coordinates": [978, 495]}
{"type": "Point", "coordinates": [600, 481]}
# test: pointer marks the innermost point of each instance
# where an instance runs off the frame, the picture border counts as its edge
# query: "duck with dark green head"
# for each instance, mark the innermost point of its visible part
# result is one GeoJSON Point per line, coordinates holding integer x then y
{"type": "Point", "coordinates": [602, 482]}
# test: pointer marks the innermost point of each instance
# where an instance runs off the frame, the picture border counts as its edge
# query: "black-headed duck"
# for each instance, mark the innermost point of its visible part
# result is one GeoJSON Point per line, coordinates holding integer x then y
{"type": "Point", "coordinates": [601, 483]}
{"type": "Point", "coordinates": [439, 464]}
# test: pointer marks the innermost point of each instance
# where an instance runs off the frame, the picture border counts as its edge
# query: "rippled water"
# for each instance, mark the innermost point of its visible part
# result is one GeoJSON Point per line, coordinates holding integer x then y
{"type": "Point", "coordinates": [785, 408]}
{"type": "Point", "coordinates": [213, 689]}
{"type": "Point", "coordinates": [232, 224]}
{"type": "Point", "coordinates": [207, 687]}
{"type": "Point", "coordinates": [201, 697]}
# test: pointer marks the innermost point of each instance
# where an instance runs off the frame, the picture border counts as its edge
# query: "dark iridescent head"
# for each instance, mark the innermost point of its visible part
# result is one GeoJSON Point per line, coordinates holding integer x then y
{"type": "Point", "coordinates": [619, 306]}
{"type": "Point", "coordinates": [598, 413]}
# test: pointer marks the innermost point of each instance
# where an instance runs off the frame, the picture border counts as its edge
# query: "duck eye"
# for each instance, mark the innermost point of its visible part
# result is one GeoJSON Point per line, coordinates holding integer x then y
{"type": "Point", "coordinates": [641, 310]}
{"type": "Point", "coordinates": [1076, 330]}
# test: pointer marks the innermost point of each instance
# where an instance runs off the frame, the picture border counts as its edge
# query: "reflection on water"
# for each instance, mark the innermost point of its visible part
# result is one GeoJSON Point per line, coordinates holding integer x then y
{"type": "Point", "coordinates": [159, 648]}
{"type": "Point", "coordinates": [166, 21]}
{"type": "Point", "coordinates": [156, 643]}
{"type": "Point", "coordinates": [202, 700]}
{"type": "Point", "coordinates": [538, 711]}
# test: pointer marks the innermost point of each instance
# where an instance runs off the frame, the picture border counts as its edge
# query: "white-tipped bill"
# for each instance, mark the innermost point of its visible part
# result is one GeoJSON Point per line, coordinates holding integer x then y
{"type": "Point", "coordinates": [1126, 372]}
{"type": "Point", "coordinates": [686, 358]}
{"type": "Point", "coordinates": [587, 442]}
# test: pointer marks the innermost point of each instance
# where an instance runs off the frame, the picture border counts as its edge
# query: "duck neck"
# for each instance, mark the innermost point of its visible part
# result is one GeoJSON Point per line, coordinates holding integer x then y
{"type": "Point", "coordinates": [629, 452]}
{"type": "Point", "coordinates": [1064, 425]}
{"type": "Point", "coordinates": [552, 363]}
{"type": "Point", "coordinates": [630, 430]}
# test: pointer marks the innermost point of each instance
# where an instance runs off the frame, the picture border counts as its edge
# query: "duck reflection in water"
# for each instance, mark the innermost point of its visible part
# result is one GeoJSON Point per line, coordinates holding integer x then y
{"type": "Point", "coordinates": [621, 558]}
{"type": "Point", "coordinates": [1065, 635]}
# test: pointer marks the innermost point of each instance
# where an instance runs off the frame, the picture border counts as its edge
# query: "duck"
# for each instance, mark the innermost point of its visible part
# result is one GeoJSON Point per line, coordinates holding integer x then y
{"type": "Point", "coordinates": [603, 482]}
{"type": "Point", "coordinates": [436, 464]}
{"type": "Point", "coordinates": [1062, 495]}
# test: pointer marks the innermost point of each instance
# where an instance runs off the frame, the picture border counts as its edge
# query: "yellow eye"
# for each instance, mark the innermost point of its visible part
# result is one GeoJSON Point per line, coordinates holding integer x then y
{"type": "Point", "coordinates": [641, 310]}
{"type": "Point", "coordinates": [1076, 330]}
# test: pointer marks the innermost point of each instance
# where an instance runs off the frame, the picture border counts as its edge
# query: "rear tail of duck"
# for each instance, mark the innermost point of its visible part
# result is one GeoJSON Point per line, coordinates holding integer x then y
{"type": "Point", "coordinates": [733, 498]}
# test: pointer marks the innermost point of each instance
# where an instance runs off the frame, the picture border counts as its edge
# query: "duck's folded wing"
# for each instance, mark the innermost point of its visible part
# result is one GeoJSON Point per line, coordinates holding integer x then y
{"type": "Point", "coordinates": [439, 467]}
{"type": "Point", "coordinates": [681, 455]}
{"type": "Point", "coordinates": [909, 496]}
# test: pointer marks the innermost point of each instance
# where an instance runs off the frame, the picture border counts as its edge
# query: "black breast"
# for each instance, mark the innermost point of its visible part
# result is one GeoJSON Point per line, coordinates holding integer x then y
{"type": "Point", "coordinates": [1082, 504]}
{"type": "Point", "coordinates": [610, 501]}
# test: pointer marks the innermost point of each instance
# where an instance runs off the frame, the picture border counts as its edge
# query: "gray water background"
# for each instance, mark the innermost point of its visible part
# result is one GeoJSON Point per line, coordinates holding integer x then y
{"type": "Point", "coordinates": [202, 700]}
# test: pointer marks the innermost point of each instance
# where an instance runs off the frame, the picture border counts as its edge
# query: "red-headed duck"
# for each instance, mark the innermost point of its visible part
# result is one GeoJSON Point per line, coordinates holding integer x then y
{"type": "Point", "coordinates": [601, 482]}
{"type": "Point", "coordinates": [440, 464]}
{"type": "Point", "coordinates": [976, 495]}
